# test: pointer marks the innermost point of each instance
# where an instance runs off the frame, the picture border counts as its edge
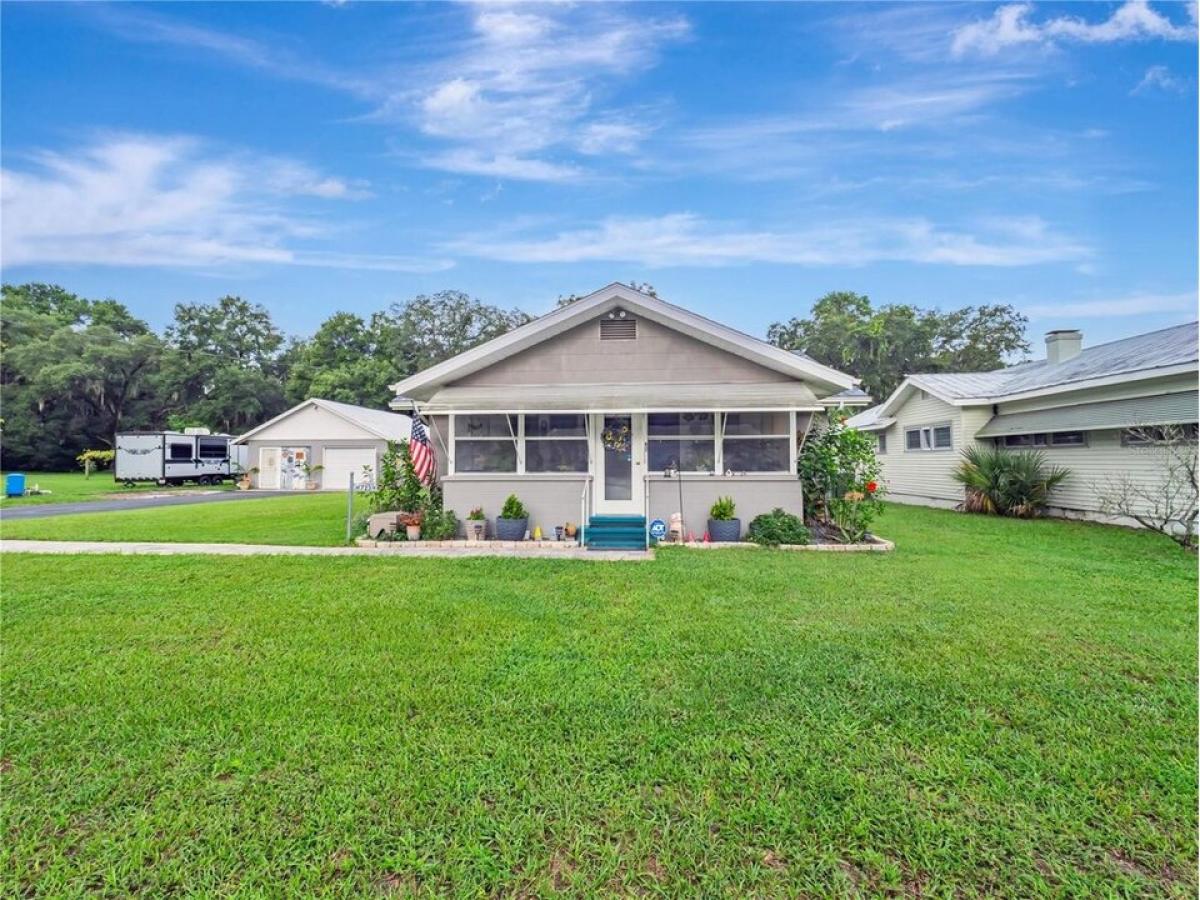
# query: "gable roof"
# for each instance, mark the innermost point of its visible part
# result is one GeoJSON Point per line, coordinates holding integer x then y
{"type": "Point", "coordinates": [1162, 352]}
{"type": "Point", "coordinates": [423, 384]}
{"type": "Point", "coordinates": [389, 426]}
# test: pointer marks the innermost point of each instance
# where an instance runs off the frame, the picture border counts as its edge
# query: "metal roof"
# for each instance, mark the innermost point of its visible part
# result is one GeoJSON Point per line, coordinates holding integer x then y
{"type": "Point", "coordinates": [644, 397]}
{"type": "Point", "coordinates": [1164, 409]}
{"type": "Point", "coordinates": [1161, 349]}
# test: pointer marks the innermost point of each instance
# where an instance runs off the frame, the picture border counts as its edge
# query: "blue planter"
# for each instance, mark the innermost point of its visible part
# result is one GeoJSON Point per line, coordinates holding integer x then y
{"type": "Point", "coordinates": [511, 529]}
{"type": "Point", "coordinates": [725, 530]}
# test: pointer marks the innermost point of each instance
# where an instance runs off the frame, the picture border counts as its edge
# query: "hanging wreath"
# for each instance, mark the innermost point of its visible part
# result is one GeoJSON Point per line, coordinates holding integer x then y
{"type": "Point", "coordinates": [616, 438]}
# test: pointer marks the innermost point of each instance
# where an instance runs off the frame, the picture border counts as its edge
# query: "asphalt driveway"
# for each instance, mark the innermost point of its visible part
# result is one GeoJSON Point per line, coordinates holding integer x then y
{"type": "Point", "coordinates": [44, 510]}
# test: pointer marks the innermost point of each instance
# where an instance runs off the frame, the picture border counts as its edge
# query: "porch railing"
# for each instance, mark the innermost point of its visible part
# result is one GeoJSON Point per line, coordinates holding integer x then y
{"type": "Point", "coordinates": [583, 510]}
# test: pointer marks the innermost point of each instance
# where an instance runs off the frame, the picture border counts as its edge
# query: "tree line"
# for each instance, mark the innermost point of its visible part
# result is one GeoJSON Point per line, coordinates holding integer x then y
{"type": "Point", "coordinates": [75, 371]}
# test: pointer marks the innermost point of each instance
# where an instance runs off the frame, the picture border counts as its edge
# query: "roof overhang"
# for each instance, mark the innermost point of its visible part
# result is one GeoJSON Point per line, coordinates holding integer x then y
{"type": "Point", "coordinates": [621, 398]}
{"type": "Point", "coordinates": [1163, 409]}
{"type": "Point", "coordinates": [423, 385]}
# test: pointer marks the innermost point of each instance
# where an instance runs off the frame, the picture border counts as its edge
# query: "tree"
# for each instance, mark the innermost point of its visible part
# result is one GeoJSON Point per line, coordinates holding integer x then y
{"type": "Point", "coordinates": [882, 345]}
{"type": "Point", "coordinates": [567, 299]}
{"type": "Point", "coordinates": [342, 361]}
{"type": "Point", "coordinates": [1166, 501]}
{"type": "Point", "coordinates": [224, 367]}
{"type": "Point", "coordinates": [428, 329]}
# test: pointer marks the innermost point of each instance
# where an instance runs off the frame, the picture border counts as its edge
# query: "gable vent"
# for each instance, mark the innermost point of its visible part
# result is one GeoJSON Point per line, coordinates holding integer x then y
{"type": "Point", "coordinates": [618, 325]}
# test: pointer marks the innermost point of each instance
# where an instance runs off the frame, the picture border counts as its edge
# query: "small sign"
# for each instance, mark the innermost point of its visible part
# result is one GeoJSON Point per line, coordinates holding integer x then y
{"type": "Point", "coordinates": [658, 529]}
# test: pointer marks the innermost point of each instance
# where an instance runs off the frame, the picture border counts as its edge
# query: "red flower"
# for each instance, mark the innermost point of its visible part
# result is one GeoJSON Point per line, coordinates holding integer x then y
{"type": "Point", "coordinates": [872, 487]}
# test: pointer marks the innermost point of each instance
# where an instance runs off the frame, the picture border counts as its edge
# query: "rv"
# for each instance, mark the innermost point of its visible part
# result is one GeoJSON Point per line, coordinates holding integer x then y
{"type": "Point", "coordinates": [173, 457]}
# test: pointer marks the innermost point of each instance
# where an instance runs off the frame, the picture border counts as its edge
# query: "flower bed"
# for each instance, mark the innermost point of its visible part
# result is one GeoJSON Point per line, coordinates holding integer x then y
{"type": "Point", "coordinates": [478, 545]}
{"type": "Point", "coordinates": [872, 544]}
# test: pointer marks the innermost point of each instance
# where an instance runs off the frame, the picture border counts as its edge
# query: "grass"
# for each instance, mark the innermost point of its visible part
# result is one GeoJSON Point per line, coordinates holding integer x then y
{"type": "Point", "coordinates": [998, 707]}
{"type": "Point", "coordinates": [71, 487]}
{"type": "Point", "coordinates": [315, 518]}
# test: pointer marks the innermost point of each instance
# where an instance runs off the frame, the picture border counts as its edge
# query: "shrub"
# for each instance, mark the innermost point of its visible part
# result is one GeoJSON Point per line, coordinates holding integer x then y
{"type": "Point", "coordinates": [476, 515]}
{"type": "Point", "coordinates": [439, 526]}
{"type": "Point", "coordinates": [92, 460]}
{"type": "Point", "coordinates": [777, 527]}
{"type": "Point", "coordinates": [513, 509]}
{"type": "Point", "coordinates": [851, 515]}
{"type": "Point", "coordinates": [836, 460]}
{"type": "Point", "coordinates": [1007, 483]}
{"type": "Point", "coordinates": [723, 510]}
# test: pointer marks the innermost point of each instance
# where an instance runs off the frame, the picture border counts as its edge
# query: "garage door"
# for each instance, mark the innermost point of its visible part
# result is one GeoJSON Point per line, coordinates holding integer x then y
{"type": "Point", "coordinates": [340, 462]}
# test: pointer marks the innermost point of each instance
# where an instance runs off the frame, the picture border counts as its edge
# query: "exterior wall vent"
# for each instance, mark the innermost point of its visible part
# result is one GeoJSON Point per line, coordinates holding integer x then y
{"type": "Point", "coordinates": [618, 325]}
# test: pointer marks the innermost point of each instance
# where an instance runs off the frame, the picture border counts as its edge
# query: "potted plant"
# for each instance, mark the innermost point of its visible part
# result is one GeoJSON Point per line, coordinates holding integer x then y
{"type": "Point", "coordinates": [476, 524]}
{"type": "Point", "coordinates": [412, 524]}
{"type": "Point", "coordinates": [513, 520]}
{"type": "Point", "coordinates": [723, 525]}
{"type": "Point", "coordinates": [246, 478]}
{"type": "Point", "coordinates": [310, 481]}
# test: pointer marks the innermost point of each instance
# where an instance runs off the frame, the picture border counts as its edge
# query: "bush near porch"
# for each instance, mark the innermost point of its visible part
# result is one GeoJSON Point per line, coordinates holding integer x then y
{"type": "Point", "coordinates": [999, 707]}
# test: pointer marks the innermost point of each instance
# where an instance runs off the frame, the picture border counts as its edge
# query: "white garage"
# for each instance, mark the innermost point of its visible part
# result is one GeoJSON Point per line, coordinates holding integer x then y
{"type": "Point", "coordinates": [319, 443]}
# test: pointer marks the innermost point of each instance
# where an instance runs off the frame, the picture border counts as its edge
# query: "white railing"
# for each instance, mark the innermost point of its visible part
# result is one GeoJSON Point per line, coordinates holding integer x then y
{"type": "Point", "coordinates": [646, 508]}
{"type": "Point", "coordinates": [583, 510]}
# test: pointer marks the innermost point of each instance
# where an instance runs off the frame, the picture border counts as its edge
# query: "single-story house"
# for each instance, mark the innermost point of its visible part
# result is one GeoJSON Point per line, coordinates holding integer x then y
{"type": "Point", "coordinates": [1077, 406]}
{"type": "Point", "coordinates": [341, 438]}
{"type": "Point", "coordinates": [587, 412]}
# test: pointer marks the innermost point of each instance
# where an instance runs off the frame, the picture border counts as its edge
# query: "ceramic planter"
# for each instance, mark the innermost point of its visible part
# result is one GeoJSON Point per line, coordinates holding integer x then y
{"type": "Point", "coordinates": [476, 529]}
{"type": "Point", "coordinates": [724, 530]}
{"type": "Point", "coordinates": [413, 532]}
{"type": "Point", "coordinates": [511, 529]}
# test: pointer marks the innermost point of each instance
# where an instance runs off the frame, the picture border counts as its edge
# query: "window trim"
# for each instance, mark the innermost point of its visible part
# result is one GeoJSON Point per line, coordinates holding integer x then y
{"type": "Point", "coordinates": [1046, 441]}
{"type": "Point", "coordinates": [927, 438]}
{"type": "Point", "coordinates": [881, 443]}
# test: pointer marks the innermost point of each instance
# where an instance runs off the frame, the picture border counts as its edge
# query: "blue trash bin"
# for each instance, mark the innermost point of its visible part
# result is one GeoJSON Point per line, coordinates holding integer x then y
{"type": "Point", "coordinates": [14, 484]}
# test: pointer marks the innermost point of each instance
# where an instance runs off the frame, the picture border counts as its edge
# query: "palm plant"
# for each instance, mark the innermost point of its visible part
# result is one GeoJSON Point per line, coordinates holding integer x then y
{"type": "Point", "coordinates": [1007, 483]}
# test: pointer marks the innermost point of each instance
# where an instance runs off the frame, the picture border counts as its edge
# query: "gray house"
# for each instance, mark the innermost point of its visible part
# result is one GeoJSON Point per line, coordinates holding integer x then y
{"type": "Point", "coordinates": [1085, 408]}
{"type": "Point", "coordinates": [587, 413]}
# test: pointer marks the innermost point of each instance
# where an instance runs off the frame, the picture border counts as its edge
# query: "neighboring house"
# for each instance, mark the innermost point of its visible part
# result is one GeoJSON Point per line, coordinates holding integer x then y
{"type": "Point", "coordinates": [582, 412]}
{"type": "Point", "coordinates": [341, 438]}
{"type": "Point", "coordinates": [1076, 405]}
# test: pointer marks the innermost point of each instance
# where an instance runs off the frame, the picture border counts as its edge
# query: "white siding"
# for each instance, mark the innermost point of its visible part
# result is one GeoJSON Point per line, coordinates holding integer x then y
{"type": "Point", "coordinates": [915, 475]}
{"type": "Point", "coordinates": [309, 424]}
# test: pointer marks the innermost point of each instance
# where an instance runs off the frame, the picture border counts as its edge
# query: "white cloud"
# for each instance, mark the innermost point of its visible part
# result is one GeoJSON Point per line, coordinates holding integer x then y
{"type": "Point", "coordinates": [1011, 26]}
{"type": "Point", "coordinates": [523, 90]}
{"type": "Point", "coordinates": [685, 239]}
{"type": "Point", "coordinates": [1131, 305]}
{"type": "Point", "coordinates": [169, 201]}
{"type": "Point", "coordinates": [1159, 78]}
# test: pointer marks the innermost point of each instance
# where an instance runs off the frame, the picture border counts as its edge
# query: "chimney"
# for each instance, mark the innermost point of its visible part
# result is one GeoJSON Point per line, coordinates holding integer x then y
{"type": "Point", "coordinates": [1063, 344]}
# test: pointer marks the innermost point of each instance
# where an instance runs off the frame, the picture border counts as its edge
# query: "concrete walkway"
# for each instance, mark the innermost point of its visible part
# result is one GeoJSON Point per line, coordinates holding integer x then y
{"type": "Point", "coordinates": [147, 548]}
{"type": "Point", "coordinates": [134, 501]}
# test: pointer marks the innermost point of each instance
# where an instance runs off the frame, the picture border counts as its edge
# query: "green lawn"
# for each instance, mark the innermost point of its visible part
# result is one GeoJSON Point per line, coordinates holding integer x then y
{"type": "Point", "coordinates": [71, 487]}
{"type": "Point", "coordinates": [315, 518]}
{"type": "Point", "coordinates": [998, 707]}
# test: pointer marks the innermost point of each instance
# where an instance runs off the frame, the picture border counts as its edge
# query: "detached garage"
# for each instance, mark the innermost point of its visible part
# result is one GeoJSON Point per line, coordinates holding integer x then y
{"type": "Point", "coordinates": [339, 438]}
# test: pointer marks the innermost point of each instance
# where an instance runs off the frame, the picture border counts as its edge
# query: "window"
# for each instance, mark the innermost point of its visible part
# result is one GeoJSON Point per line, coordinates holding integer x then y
{"type": "Point", "coordinates": [1048, 439]}
{"type": "Point", "coordinates": [181, 452]}
{"type": "Point", "coordinates": [686, 440]}
{"type": "Point", "coordinates": [1157, 434]}
{"type": "Point", "coordinates": [756, 442]}
{"type": "Point", "coordinates": [556, 443]}
{"type": "Point", "coordinates": [212, 448]}
{"type": "Point", "coordinates": [929, 437]}
{"type": "Point", "coordinates": [485, 443]}
{"type": "Point", "coordinates": [881, 443]}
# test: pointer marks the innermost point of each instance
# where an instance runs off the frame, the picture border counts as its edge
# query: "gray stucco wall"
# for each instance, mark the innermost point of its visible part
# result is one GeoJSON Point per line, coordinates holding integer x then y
{"type": "Point", "coordinates": [550, 499]}
{"type": "Point", "coordinates": [753, 494]}
{"type": "Point", "coordinates": [554, 500]}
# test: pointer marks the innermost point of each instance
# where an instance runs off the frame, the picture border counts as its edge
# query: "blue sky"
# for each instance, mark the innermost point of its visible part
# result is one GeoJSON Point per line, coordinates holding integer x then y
{"type": "Point", "coordinates": [744, 159]}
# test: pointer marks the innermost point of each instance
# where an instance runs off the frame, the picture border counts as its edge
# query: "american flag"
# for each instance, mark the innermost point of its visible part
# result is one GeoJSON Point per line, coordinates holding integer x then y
{"type": "Point", "coordinates": [422, 453]}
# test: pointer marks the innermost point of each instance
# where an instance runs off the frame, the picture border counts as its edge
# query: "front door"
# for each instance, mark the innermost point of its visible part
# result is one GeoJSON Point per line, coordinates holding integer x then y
{"type": "Point", "coordinates": [268, 468]}
{"type": "Point", "coordinates": [620, 464]}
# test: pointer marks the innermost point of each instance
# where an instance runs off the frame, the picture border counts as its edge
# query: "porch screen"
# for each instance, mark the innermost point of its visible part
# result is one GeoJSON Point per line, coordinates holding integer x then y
{"type": "Point", "coordinates": [756, 442]}
{"type": "Point", "coordinates": [686, 439]}
{"type": "Point", "coordinates": [485, 443]}
{"type": "Point", "coordinates": [556, 443]}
